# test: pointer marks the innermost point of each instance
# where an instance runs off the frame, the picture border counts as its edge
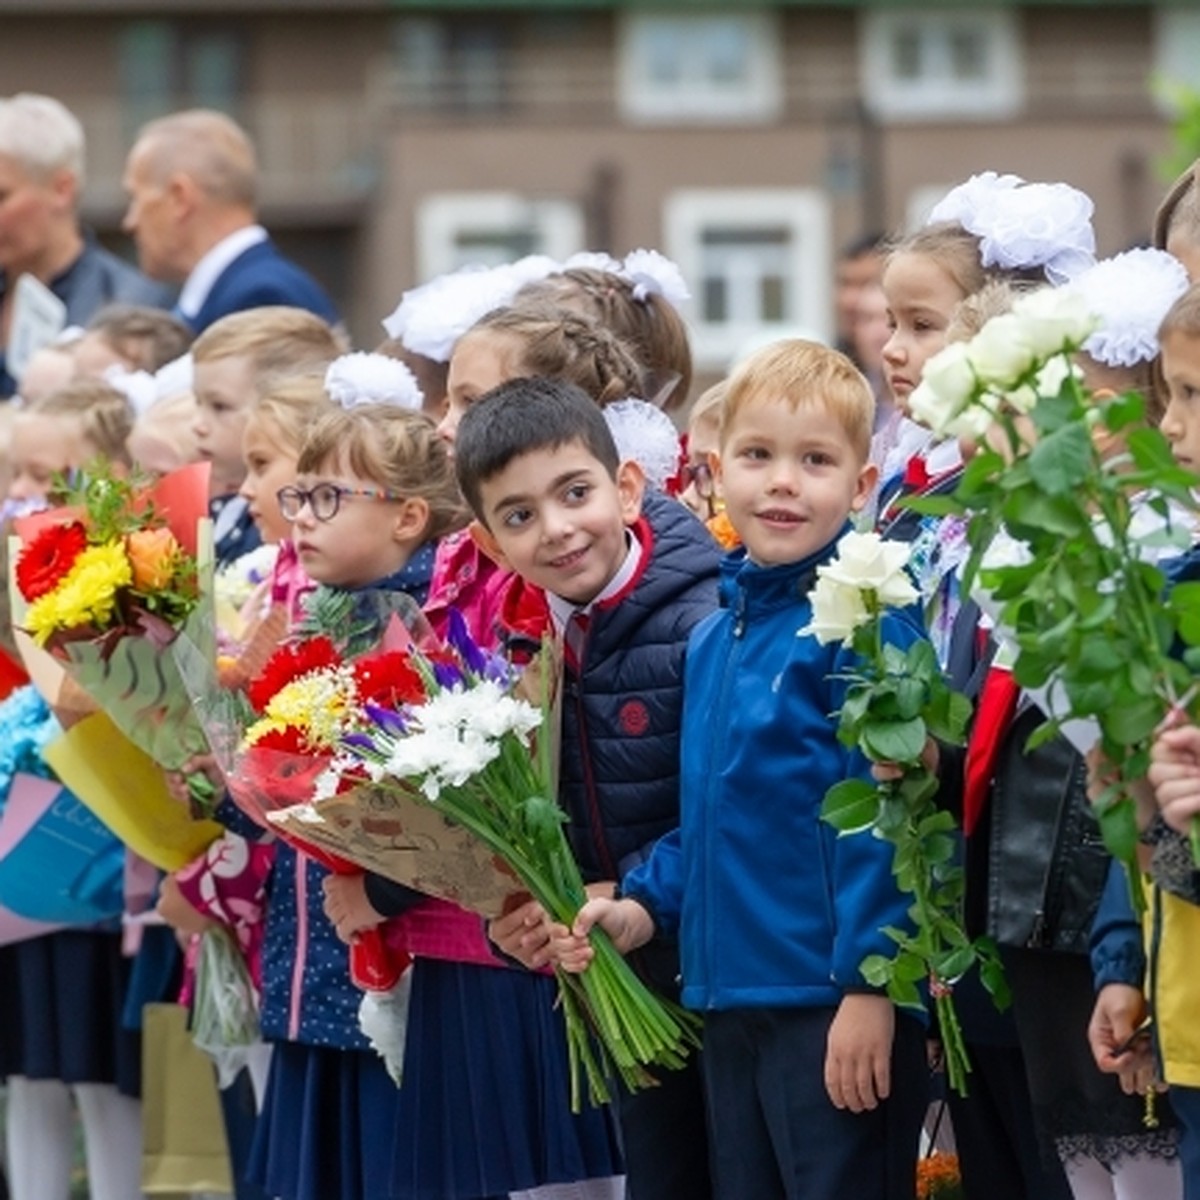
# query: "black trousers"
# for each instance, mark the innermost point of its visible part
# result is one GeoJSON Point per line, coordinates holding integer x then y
{"type": "Point", "coordinates": [775, 1134]}
{"type": "Point", "coordinates": [664, 1137]}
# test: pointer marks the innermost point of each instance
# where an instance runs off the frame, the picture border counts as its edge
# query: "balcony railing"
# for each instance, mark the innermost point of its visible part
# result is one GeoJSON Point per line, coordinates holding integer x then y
{"type": "Point", "coordinates": [314, 151]}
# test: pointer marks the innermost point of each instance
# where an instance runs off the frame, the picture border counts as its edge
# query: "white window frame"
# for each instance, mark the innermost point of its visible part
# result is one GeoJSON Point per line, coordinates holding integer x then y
{"type": "Point", "coordinates": [442, 216]}
{"type": "Point", "coordinates": [938, 96]}
{"type": "Point", "coordinates": [687, 213]}
{"type": "Point", "coordinates": [1176, 53]}
{"type": "Point", "coordinates": [696, 99]}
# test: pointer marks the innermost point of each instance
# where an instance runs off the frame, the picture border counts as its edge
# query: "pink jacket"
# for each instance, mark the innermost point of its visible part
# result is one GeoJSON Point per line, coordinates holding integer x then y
{"type": "Point", "coordinates": [466, 578]}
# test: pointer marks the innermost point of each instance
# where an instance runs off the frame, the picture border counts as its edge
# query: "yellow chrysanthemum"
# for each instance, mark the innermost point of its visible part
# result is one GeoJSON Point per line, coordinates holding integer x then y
{"type": "Point", "coordinates": [319, 704]}
{"type": "Point", "coordinates": [86, 597]}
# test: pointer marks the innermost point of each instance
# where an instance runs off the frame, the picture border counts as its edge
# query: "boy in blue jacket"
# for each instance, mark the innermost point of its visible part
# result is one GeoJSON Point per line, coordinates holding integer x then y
{"type": "Point", "coordinates": [624, 577]}
{"type": "Point", "coordinates": [815, 1082]}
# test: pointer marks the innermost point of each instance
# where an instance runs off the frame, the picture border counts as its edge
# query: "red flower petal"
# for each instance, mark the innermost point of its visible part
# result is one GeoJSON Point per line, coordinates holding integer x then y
{"type": "Point", "coordinates": [288, 663]}
{"type": "Point", "coordinates": [48, 559]}
{"type": "Point", "coordinates": [388, 679]}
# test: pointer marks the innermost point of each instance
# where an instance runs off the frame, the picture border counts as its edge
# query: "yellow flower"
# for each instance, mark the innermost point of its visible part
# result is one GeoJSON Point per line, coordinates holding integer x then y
{"type": "Point", "coordinates": [321, 704]}
{"type": "Point", "coordinates": [86, 597]}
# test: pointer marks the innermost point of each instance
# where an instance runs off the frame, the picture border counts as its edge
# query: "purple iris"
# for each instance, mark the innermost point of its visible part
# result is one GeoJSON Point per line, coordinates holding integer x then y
{"type": "Point", "coordinates": [386, 718]}
{"type": "Point", "coordinates": [447, 675]}
{"type": "Point", "coordinates": [473, 658]}
{"type": "Point", "coordinates": [360, 741]}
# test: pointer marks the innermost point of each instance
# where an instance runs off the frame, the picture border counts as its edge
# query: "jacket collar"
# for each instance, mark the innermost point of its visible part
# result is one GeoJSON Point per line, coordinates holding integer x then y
{"type": "Point", "coordinates": [749, 588]}
{"type": "Point", "coordinates": [413, 577]}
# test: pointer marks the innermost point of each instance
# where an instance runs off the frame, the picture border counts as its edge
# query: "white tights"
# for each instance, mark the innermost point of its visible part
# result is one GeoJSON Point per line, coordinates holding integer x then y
{"type": "Point", "coordinates": [1140, 1178]}
{"type": "Point", "coordinates": [40, 1140]}
{"type": "Point", "coordinates": [586, 1189]}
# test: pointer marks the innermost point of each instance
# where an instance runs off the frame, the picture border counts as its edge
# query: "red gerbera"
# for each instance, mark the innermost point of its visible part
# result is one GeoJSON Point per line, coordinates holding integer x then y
{"type": "Point", "coordinates": [288, 663]}
{"type": "Point", "coordinates": [48, 559]}
{"type": "Point", "coordinates": [388, 679]}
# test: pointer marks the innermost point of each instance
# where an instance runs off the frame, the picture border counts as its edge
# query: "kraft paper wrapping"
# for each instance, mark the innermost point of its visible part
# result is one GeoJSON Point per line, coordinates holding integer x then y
{"type": "Point", "coordinates": [382, 829]}
{"type": "Point", "coordinates": [125, 788]}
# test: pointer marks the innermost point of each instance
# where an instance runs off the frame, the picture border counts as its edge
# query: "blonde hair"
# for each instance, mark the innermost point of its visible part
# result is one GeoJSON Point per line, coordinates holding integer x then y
{"type": "Point", "coordinates": [104, 414]}
{"type": "Point", "coordinates": [1183, 317]}
{"type": "Point", "coordinates": [291, 406]}
{"type": "Point", "coordinates": [707, 409]}
{"type": "Point", "coordinates": [652, 327]}
{"type": "Point", "coordinates": [801, 373]}
{"type": "Point", "coordinates": [396, 448]}
{"type": "Point", "coordinates": [276, 339]}
{"type": "Point", "coordinates": [147, 338]}
{"type": "Point", "coordinates": [559, 343]}
{"type": "Point", "coordinates": [164, 436]}
{"type": "Point", "coordinates": [208, 147]}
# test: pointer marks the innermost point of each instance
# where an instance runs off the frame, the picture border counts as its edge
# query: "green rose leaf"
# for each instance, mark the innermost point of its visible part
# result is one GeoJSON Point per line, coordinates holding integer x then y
{"type": "Point", "coordinates": [894, 741]}
{"type": "Point", "coordinates": [1118, 827]}
{"type": "Point", "coordinates": [1132, 720]}
{"type": "Point", "coordinates": [1061, 461]}
{"type": "Point", "coordinates": [851, 805]}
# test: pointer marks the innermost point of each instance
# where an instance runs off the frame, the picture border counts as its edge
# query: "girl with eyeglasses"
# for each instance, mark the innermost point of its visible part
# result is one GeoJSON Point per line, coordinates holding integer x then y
{"type": "Point", "coordinates": [373, 491]}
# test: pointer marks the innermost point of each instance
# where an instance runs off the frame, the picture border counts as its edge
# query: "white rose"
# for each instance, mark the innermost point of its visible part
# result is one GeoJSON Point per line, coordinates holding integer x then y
{"type": "Point", "coordinates": [972, 424]}
{"type": "Point", "coordinates": [1055, 319]}
{"type": "Point", "coordinates": [1048, 382]}
{"type": "Point", "coordinates": [868, 563]}
{"type": "Point", "coordinates": [837, 611]}
{"type": "Point", "coordinates": [947, 384]}
{"type": "Point", "coordinates": [1001, 351]}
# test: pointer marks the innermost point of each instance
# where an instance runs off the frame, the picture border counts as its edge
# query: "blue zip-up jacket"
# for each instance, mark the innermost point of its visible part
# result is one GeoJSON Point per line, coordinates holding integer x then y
{"type": "Point", "coordinates": [772, 908]}
{"type": "Point", "coordinates": [307, 993]}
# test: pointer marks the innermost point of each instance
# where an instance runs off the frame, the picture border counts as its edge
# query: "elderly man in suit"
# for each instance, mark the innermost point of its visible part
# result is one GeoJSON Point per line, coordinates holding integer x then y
{"type": "Point", "coordinates": [191, 180]}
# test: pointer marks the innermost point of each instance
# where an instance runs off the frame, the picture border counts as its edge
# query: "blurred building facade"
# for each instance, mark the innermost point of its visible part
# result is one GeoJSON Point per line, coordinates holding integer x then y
{"type": "Point", "coordinates": [747, 141]}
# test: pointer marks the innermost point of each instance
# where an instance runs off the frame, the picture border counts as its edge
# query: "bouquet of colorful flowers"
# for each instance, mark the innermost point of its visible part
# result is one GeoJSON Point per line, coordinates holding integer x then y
{"type": "Point", "coordinates": [450, 733]}
{"type": "Point", "coordinates": [106, 584]}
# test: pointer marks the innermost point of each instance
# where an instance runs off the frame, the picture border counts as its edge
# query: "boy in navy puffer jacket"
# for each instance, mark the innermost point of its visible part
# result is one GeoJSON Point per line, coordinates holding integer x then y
{"type": "Point", "coordinates": [815, 1081]}
{"type": "Point", "coordinates": [624, 579]}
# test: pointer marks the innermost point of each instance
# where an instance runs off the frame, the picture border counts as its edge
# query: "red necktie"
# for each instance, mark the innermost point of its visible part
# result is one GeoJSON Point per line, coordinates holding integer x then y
{"type": "Point", "coordinates": [997, 703]}
{"type": "Point", "coordinates": [916, 474]}
{"type": "Point", "coordinates": [575, 637]}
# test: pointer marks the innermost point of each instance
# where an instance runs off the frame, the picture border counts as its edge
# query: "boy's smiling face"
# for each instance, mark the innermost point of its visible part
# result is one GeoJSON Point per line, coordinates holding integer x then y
{"type": "Point", "coordinates": [790, 477]}
{"type": "Point", "coordinates": [558, 518]}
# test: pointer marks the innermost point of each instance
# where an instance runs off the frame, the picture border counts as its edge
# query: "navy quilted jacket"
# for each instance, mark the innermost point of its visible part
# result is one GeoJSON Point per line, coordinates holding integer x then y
{"type": "Point", "coordinates": [622, 712]}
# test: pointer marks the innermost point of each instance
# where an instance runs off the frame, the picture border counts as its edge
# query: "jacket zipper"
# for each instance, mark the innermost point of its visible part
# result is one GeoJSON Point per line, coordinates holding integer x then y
{"type": "Point", "coordinates": [737, 631]}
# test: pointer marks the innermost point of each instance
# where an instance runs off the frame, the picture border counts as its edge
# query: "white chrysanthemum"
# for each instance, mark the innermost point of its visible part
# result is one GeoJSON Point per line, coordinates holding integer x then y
{"type": "Point", "coordinates": [652, 273]}
{"type": "Point", "coordinates": [1130, 293]}
{"type": "Point", "coordinates": [647, 436]}
{"type": "Point", "coordinates": [361, 378]}
{"type": "Point", "coordinates": [136, 386]}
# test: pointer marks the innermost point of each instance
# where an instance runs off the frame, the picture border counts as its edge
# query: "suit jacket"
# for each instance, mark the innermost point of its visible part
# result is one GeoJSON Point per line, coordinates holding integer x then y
{"type": "Point", "coordinates": [258, 277]}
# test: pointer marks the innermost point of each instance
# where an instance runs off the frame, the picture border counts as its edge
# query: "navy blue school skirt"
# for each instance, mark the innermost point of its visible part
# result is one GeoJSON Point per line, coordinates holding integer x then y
{"type": "Point", "coordinates": [485, 1106]}
{"type": "Point", "coordinates": [326, 1126]}
{"type": "Point", "coordinates": [61, 1000]}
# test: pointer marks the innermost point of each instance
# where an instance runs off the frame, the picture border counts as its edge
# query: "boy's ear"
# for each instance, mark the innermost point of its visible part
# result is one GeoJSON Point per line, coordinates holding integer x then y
{"type": "Point", "coordinates": [483, 537]}
{"type": "Point", "coordinates": [631, 487]}
{"type": "Point", "coordinates": [412, 520]}
{"type": "Point", "coordinates": [868, 477]}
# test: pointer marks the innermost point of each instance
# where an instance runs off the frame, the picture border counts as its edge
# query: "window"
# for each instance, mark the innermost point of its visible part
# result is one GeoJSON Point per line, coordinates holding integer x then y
{"type": "Point", "coordinates": [167, 66]}
{"type": "Point", "coordinates": [706, 68]}
{"type": "Point", "coordinates": [757, 263]}
{"type": "Point", "coordinates": [457, 228]}
{"type": "Point", "coordinates": [454, 65]}
{"type": "Point", "coordinates": [957, 63]}
{"type": "Point", "coordinates": [1176, 52]}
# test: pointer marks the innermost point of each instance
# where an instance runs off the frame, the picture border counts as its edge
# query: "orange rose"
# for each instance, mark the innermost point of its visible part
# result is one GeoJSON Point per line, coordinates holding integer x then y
{"type": "Point", "coordinates": [152, 555]}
